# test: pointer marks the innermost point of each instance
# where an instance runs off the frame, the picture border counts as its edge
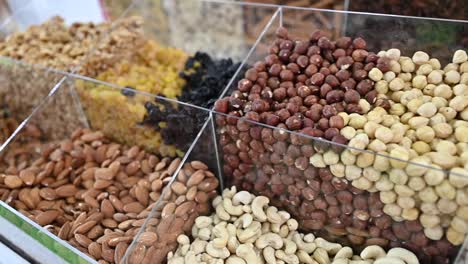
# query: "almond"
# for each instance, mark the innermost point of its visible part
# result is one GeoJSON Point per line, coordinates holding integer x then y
{"type": "Point", "coordinates": [120, 250]}
{"type": "Point", "coordinates": [107, 209]}
{"type": "Point", "coordinates": [84, 228]}
{"type": "Point", "coordinates": [13, 182]}
{"type": "Point", "coordinates": [196, 178]}
{"type": "Point", "coordinates": [67, 190]}
{"type": "Point", "coordinates": [168, 210]}
{"type": "Point", "coordinates": [94, 250]}
{"type": "Point", "coordinates": [47, 217]}
{"type": "Point", "coordinates": [104, 174]}
{"type": "Point", "coordinates": [179, 188]}
{"type": "Point", "coordinates": [28, 177]}
{"type": "Point", "coordinates": [148, 238]}
{"type": "Point", "coordinates": [198, 165]}
{"type": "Point", "coordinates": [134, 207]}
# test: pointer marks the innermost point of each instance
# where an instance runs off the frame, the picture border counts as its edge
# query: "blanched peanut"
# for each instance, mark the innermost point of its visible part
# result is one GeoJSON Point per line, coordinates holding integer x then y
{"type": "Point", "coordinates": [434, 233]}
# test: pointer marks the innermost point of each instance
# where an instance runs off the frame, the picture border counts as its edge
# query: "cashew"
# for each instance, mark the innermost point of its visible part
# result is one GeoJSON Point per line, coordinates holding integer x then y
{"type": "Point", "coordinates": [389, 260]}
{"type": "Point", "coordinates": [321, 256]}
{"type": "Point", "coordinates": [257, 208]}
{"type": "Point", "coordinates": [340, 261]}
{"type": "Point", "coordinates": [183, 239]}
{"type": "Point", "coordinates": [231, 209]}
{"type": "Point", "coordinates": [304, 257]}
{"type": "Point", "coordinates": [204, 233]}
{"type": "Point", "coordinates": [198, 246]}
{"type": "Point", "coordinates": [344, 253]}
{"type": "Point", "coordinates": [284, 231]}
{"type": "Point", "coordinates": [247, 253]}
{"type": "Point", "coordinates": [373, 252]}
{"type": "Point", "coordinates": [249, 232]}
{"type": "Point", "coordinates": [265, 227]}
{"type": "Point", "coordinates": [221, 233]}
{"type": "Point", "coordinates": [273, 216]}
{"type": "Point", "coordinates": [275, 228]}
{"type": "Point", "coordinates": [285, 216]}
{"type": "Point", "coordinates": [221, 213]}
{"type": "Point", "coordinates": [247, 209]}
{"type": "Point", "coordinates": [309, 238]}
{"type": "Point", "coordinates": [269, 255]}
{"type": "Point", "coordinates": [245, 220]}
{"type": "Point", "coordinates": [269, 239]}
{"type": "Point", "coordinates": [229, 193]}
{"type": "Point", "coordinates": [404, 254]}
{"type": "Point", "coordinates": [290, 259]}
{"type": "Point", "coordinates": [233, 260]}
{"type": "Point", "coordinates": [176, 260]}
{"type": "Point", "coordinates": [360, 262]}
{"type": "Point", "coordinates": [221, 253]}
{"type": "Point", "coordinates": [307, 247]}
{"type": "Point", "coordinates": [289, 246]}
{"type": "Point", "coordinates": [195, 231]}
{"type": "Point", "coordinates": [243, 197]}
{"type": "Point", "coordinates": [190, 257]}
{"type": "Point", "coordinates": [184, 249]}
{"type": "Point", "coordinates": [216, 201]}
{"type": "Point", "coordinates": [330, 247]}
{"type": "Point", "coordinates": [292, 224]}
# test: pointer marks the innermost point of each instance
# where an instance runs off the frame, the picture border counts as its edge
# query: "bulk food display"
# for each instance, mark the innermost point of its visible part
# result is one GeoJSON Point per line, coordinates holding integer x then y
{"type": "Point", "coordinates": [129, 142]}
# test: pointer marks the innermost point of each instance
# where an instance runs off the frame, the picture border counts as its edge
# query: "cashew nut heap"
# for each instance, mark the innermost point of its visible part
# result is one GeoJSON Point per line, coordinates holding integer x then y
{"type": "Point", "coordinates": [246, 230]}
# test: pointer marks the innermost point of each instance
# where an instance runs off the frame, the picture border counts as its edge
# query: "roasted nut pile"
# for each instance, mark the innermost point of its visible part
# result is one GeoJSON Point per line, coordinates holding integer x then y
{"type": "Point", "coordinates": [426, 124]}
{"type": "Point", "coordinates": [96, 194]}
{"type": "Point", "coordinates": [343, 195]}
{"type": "Point", "coordinates": [246, 229]}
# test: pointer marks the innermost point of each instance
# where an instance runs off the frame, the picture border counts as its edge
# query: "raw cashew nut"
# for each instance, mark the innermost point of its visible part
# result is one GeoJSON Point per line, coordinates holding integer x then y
{"type": "Point", "coordinates": [190, 257]}
{"type": "Point", "coordinates": [204, 233]}
{"type": "Point", "coordinates": [289, 246]}
{"type": "Point", "coordinates": [231, 209]}
{"type": "Point", "coordinates": [242, 197]}
{"type": "Point", "coordinates": [198, 246]}
{"type": "Point", "coordinates": [344, 253]}
{"type": "Point", "coordinates": [221, 213]}
{"type": "Point", "coordinates": [216, 201]}
{"type": "Point", "coordinates": [273, 216]}
{"type": "Point", "coordinates": [221, 253]}
{"type": "Point", "coordinates": [249, 232]}
{"type": "Point", "coordinates": [389, 260]}
{"type": "Point", "coordinates": [330, 247]}
{"type": "Point", "coordinates": [307, 247]}
{"type": "Point", "coordinates": [285, 216]}
{"type": "Point", "coordinates": [245, 220]}
{"type": "Point", "coordinates": [266, 227]}
{"type": "Point", "coordinates": [176, 260]}
{"type": "Point", "coordinates": [248, 254]}
{"type": "Point", "coordinates": [360, 262]}
{"type": "Point", "coordinates": [304, 257]}
{"type": "Point", "coordinates": [284, 231]}
{"type": "Point", "coordinates": [340, 261]}
{"type": "Point", "coordinates": [290, 259]}
{"type": "Point", "coordinates": [269, 239]}
{"type": "Point", "coordinates": [404, 254]}
{"type": "Point", "coordinates": [229, 193]}
{"type": "Point", "coordinates": [292, 224]}
{"type": "Point", "coordinates": [373, 252]}
{"type": "Point", "coordinates": [321, 256]}
{"type": "Point", "coordinates": [257, 208]}
{"type": "Point", "coordinates": [222, 235]}
{"type": "Point", "coordinates": [269, 255]}
{"type": "Point", "coordinates": [233, 260]}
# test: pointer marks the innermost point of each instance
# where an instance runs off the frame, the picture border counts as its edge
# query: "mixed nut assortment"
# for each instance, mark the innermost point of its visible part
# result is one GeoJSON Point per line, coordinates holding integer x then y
{"type": "Point", "coordinates": [366, 152]}
{"type": "Point", "coordinates": [246, 229]}
{"type": "Point", "coordinates": [408, 110]}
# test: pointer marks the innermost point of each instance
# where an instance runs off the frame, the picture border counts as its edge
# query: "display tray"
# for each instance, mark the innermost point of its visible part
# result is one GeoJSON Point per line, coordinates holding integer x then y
{"type": "Point", "coordinates": [107, 155]}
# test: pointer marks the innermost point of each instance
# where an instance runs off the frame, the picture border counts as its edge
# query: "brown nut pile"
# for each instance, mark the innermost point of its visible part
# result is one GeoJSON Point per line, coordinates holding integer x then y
{"type": "Point", "coordinates": [302, 85]}
{"type": "Point", "coordinates": [307, 177]}
{"type": "Point", "coordinates": [97, 194]}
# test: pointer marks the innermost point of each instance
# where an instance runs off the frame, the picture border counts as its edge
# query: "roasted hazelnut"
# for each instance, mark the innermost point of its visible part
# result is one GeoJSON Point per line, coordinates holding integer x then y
{"type": "Point", "coordinates": [244, 85]}
{"type": "Point", "coordinates": [325, 71]}
{"type": "Point", "coordinates": [351, 97]}
{"type": "Point", "coordinates": [293, 67]}
{"type": "Point", "coordinates": [259, 66]}
{"type": "Point", "coordinates": [311, 70]}
{"type": "Point", "coordinates": [317, 79]}
{"type": "Point", "coordinates": [282, 32]}
{"type": "Point", "coordinates": [271, 59]}
{"type": "Point", "coordinates": [315, 112]}
{"type": "Point", "coordinates": [329, 111]}
{"type": "Point", "coordinates": [359, 43]}
{"type": "Point", "coordinates": [359, 55]}
{"type": "Point", "coordinates": [325, 89]}
{"type": "Point", "coordinates": [344, 62]}
{"type": "Point", "coordinates": [343, 42]}
{"type": "Point", "coordinates": [286, 75]}
{"type": "Point", "coordinates": [316, 60]}
{"type": "Point", "coordinates": [275, 69]}
{"type": "Point", "coordinates": [291, 91]}
{"type": "Point", "coordinates": [323, 124]}
{"type": "Point", "coordinates": [222, 105]}
{"type": "Point", "coordinates": [301, 47]}
{"type": "Point", "coordinates": [313, 50]}
{"type": "Point", "coordinates": [292, 108]}
{"type": "Point", "coordinates": [331, 132]}
{"type": "Point", "coordinates": [359, 75]}
{"type": "Point", "coordinates": [334, 96]}
{"type": "Point", "coordinates": [294, 123]}
{"type": "Point", "coordinates": [316, 35]}
{"type": "Point", "coordinates": [324, 43]}
{"type": "Point", "coordinates": [336, 122]}
{"type": "Point", "coordinates": [258, 105]}
{"type": "Point", "coordinates": [348, 84]}
{"type": "Point", "coordinates": [371, 57]}
{"type": "Point", "coordinates": [364, 87]}
{"type": "Point", "coordinates": [283, 114]}
{"type": "Point", "coordinates": [251, 74]}
{"type": "Point", "coordinates": [286, 44]}
{"type": "Point", "coordinates": [284, 55]}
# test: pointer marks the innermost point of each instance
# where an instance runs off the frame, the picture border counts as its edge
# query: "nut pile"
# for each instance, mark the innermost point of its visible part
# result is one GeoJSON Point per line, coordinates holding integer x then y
{"type": "Point", "coordinates": [97, 194]}
{"type": "Point", "coordinates": [246, 229]}
{"type": "Point", "coordinates": [427, 125]}
{"type": "Point", "coordinates": [332, 190]}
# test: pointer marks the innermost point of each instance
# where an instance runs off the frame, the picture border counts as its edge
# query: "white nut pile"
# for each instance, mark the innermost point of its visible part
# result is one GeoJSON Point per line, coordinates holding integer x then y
{"type": "Point", "coordinates": [427, 125]}
{"type": "Point", "coordinates": [246, 230]}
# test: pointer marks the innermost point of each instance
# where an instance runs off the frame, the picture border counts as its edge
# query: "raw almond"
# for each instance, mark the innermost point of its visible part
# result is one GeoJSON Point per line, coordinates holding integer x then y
{"type": "Point", "coordinates": [107, 253]}
{"type": "Point", "coordinates": [47, 217]}
{"type": "Point", "coordinates": [196, 178]}
{"type": "Point", "coordinates": [67, 190]}
{"type": "Point", "coordinates": [114, 241]}
{"type": "Point", "coordinates": [64, 230]}
{"type": "Point", "coordinates": [84, 228]}
{"type": "Point", "coordinates": [168, 210]}
{"type": "Point", "coordinates": [92, 136]}
{"type": "Point", "coordinates": [137, 254]}
{"type": "Point", "coordinates": [104, 174]}
{"type": "Point", "coordinates": [28, 177]}
{"type": "Point", "coordinates": [198, 165]}
{"type": "Point", "coordinates": [134, 207]}
{"type": "Point", "coordinates": [142, 195]}
{"type": "Point", "coordinates": [107, 209]}
{"type": "Point", "coordinates": [120, 250]}
{"type": "Point", "coordinates": [94, 250]}
{"type": "Point", "coordinates": [109, 223]}
{"type": "Point", "coordinates": [102, 184]}
{"type": "Point", "coordinates": [148, 238]}
{"type": "Point", "coordinates": [179, 188]}
{"type": "Point", "coordinates": [185, 208]}
{"type": "Point", "coordinates": [13, 182]}
{"type": "Point", "coordinates": [83, 240]}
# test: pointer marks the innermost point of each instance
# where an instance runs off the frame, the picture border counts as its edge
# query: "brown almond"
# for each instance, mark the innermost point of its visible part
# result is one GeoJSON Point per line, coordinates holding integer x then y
{"type": "Point", "coordinates": [138, 253]}
{"type": "Point", "coordinates": [95, 232]}
{"type": "Point", "coordinates": [168, 210]}
{"type": "Point", "coordinates": [84, 228]}
{"type": "Point", "coordinates": [64, 231]}
{"type": "Point", "coordinates": [83, 240]}
{"type": "Point", "coordinates": [104, 174]}
{"type": "Point", "coordinates": [102, 184]}
{"type": "Point", "coordinates": [107, 209]}
{"type": "Point", "coordinates": [67, 190]}
{"type": "Point", "coordinates": [178, 188]}
{"type": "Point", "coordinates": [91, 201]}
{"type": "Point", "coordinates": [208, 185]}
{"type": "Point", "coordinates": [173, 166]}
{"type": "Point", "coordinates": [198, 165]}
{"type": "Point", "coordinates": [47, 217]}
{"type": "Point", "coordinates": [185, 208]}
{"type": "Point", "coordinates": [107, 253]}
{"type": "Point", "coordinates": [119, 217]}
{"type": "Point", "coordinates": [148, 238]}
{"type": "Point", "coordinates": [13, 182]}
{"type": "Point", "coordinates": [142, 195]}
{"type": "Point", "coordinates": [192, 191]}
{"type": "Point", "coordinates": [94, 250]}
{"type": "Point", "coordinates": [125, 224]}
{"type": "Point", "coordinates": [28, 177]}
{"type": "Point", "coordinates": [48, 194]}
{"type": "Point", "coordinates": [120, 250]}
{"type": "Point", "coordinates": [132, 167]}
{"type": "Point", "coordinates": [116, 240]}
{"type": "Point", "coordinates": [92, 136]}
{"type": "Point", "coordinates": [156, 185]}
{"type": "Point", "coordinates": [88, 174]}
{"type": "Point", "coordinates": [109, 223]}
{"type": "Point", "coordinates": [161, 165]}
{"type": "Point", "coordinates": [134, 207]}
{"type": "Point", "coordinates": [196, 178]}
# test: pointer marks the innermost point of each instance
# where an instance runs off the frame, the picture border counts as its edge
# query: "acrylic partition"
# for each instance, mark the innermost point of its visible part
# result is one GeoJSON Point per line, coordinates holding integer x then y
{"type": "Point", "coordinates": [60, 179]}
{"type": "Point", "coordinates": [393, 194]}
{"type": "Point", "coordinates": [23, 88]}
